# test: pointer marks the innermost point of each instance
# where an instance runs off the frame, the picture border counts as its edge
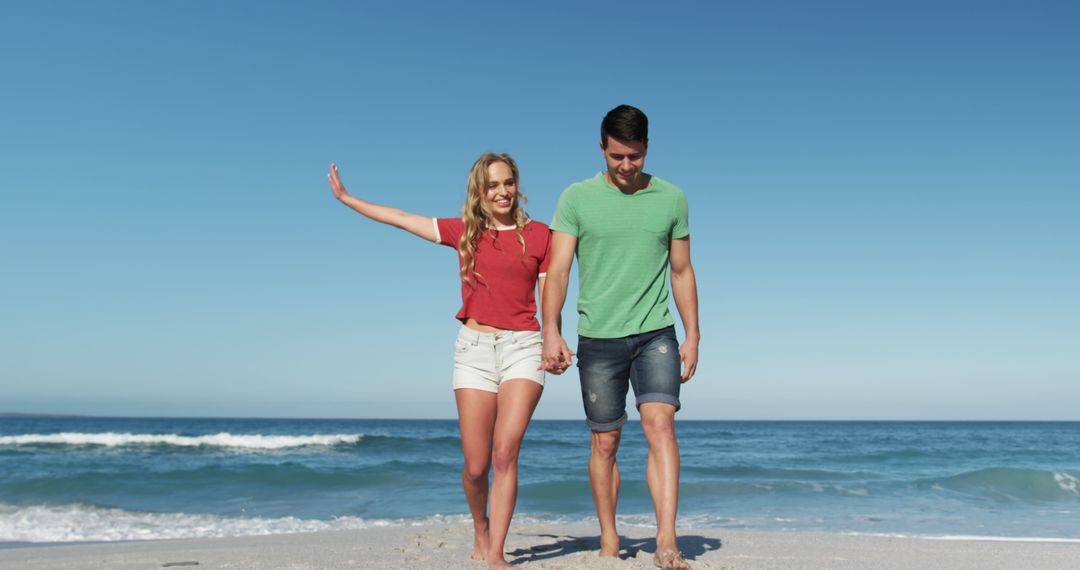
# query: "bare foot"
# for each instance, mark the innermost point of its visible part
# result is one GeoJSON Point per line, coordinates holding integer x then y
{"type": "Point", "coordinates": [609, 546]}
{"type": "Point", "coordinates": [480, 541]}
{"type": "Point", "coordinates": [670, 559]}
{"type": "Point", "coordinates": [497, 562]}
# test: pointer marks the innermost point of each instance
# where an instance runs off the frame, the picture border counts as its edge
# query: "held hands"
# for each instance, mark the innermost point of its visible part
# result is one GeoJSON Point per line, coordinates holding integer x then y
{"type": "Point", "coordinates": [335, 182]}
{"type": "Point", "coordinates": [688, 354]}
{"type": "Point", "coordinates": [557, 356]}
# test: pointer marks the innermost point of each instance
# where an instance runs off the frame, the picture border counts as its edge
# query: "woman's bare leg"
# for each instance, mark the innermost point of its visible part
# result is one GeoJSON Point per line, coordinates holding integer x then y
{"type": "Point", "coordinates": [476, 418]}
{"type": "Point", "coordinates": [517, 401]}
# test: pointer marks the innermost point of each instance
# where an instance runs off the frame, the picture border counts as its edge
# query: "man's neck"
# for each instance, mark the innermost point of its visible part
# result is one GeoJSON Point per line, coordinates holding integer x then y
{"type": "Point", "coordinates": [640, 183]}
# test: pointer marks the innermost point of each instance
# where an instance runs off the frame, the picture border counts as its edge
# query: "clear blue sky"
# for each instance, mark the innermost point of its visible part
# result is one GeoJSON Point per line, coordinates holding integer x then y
{"type": "Point", "coordinates": [884, 197]}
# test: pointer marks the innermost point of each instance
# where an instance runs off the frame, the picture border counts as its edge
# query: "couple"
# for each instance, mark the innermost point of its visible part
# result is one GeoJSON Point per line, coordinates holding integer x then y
{"type": "Point", "coordinates": [630, 231]}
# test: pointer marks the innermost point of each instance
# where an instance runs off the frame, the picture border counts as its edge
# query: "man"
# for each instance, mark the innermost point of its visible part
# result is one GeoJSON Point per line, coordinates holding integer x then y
{"type": "Point", "coordinates": [630, 230]}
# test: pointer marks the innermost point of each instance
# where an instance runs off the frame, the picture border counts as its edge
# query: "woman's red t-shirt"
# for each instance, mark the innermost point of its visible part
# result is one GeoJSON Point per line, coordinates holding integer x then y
{"type": "Point", "coordinates": [503, 293]}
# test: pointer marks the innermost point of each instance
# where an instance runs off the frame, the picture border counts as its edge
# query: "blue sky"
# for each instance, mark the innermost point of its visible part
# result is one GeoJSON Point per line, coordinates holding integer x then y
{"type": "Point", "coordinates": [883, 198]}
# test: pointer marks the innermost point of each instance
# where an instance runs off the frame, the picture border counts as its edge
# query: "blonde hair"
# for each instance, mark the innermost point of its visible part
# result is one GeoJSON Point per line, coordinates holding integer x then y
{"type": "Point", "coordinates": [478, 219]}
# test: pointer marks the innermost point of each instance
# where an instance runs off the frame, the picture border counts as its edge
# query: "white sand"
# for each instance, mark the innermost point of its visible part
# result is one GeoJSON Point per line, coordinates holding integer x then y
{"type": "Point", "coordinates": [547, 547]}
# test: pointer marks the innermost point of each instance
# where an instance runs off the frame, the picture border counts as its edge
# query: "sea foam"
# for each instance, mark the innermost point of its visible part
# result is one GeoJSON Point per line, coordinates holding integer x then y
{"type": "Point", "coordinates": [971, 537]}
{"type": "Point", "coordinates": [83, 523]}
{"type": "Point", "coordinates": [75, 523]}
{"type": "Point", "coordinates": [1067, 482]}
{"type": "Point", "coordinates": [223, 439]}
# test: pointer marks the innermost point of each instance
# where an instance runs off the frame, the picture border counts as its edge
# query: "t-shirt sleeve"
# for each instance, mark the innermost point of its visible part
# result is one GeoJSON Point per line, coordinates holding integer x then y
{"type": "Point", "coordinates": [448, 230]}
{"type": "Point", "coordinates": [681, 228]}
{"type": "Point", "coordinates": [547, 254]}
{"type": "Point", "coordinates": [566, 220]}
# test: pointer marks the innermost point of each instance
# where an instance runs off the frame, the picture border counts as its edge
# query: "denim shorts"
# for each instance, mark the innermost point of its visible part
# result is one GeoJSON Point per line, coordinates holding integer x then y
{"type": "Point", "coordinates": [483, 361]}
{"type": "Point", "coordinates": [608, 367]}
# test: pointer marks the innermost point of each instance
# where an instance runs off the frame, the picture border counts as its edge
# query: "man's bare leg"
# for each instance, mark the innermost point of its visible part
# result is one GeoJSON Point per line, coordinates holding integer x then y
{"type": "Point", "coordinates": [615, 482]}
{"type": "Point", "coordinates": [476, 418]}
{"type": "Point", "coordinates": [604, 482]}
{"type": "Point", "coordinates": [662, 475]}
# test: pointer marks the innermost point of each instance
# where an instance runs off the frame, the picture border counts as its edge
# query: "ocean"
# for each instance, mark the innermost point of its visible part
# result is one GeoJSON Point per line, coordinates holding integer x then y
{"type": "Point", "coordinates": [67, 479]}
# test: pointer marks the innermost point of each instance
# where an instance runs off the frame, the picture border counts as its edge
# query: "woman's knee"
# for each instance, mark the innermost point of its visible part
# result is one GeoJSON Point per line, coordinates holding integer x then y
{"type": "Point", "coordinates": [505, 455]}
{"type": "Point", "coordinates": [476, 471]}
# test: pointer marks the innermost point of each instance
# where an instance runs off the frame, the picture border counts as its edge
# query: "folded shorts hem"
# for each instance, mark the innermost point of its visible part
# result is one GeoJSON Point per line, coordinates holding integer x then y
{"type": "Point", "coordinates": [606, 426]}
{"type": "Point", "coordinates": [493, 390]}
{"type": "Point", "coordinates": [537, 379]}
{"type": "Point", "coordinates": [658, 397]}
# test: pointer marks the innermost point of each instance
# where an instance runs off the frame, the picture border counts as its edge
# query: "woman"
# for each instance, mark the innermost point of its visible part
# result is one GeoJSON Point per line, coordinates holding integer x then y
{"type": "Point", "coordinates": [497, 378]}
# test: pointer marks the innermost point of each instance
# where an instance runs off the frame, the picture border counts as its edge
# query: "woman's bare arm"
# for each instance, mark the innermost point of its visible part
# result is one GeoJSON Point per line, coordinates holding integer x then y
{"type": "Point", "coordinates": [415, 224]}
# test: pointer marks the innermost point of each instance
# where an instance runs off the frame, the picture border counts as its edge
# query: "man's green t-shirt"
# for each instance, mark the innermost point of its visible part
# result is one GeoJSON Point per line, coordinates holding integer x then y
{"type": "Point", "coordinates": [623, 241]}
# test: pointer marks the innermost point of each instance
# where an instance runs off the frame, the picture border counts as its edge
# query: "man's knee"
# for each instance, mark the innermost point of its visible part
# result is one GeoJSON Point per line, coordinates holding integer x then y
{"type": "Point", "coordinates": [605, 444]}
{"type": "Point", "coordinates": [658, 420]}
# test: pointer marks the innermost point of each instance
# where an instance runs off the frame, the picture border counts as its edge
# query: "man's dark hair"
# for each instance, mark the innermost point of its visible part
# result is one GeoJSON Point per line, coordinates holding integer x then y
{"type": "Point", "coordinates": [625, 123]}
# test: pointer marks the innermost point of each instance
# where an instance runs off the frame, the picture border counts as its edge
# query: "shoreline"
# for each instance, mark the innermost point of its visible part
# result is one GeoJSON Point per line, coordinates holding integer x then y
{"type": "Point", "coordinates": [550, 546]}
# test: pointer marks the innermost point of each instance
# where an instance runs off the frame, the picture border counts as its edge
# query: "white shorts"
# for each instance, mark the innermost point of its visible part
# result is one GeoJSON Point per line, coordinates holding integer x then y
{"type": "Point", "coordinates": [483, 361]}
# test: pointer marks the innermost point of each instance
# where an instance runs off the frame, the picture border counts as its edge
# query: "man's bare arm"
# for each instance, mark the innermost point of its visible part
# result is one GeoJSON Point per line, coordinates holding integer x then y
{"type": "Point", "coordinates": [684, 287]}
{"type": "Point", "coordinates": [557, 355]}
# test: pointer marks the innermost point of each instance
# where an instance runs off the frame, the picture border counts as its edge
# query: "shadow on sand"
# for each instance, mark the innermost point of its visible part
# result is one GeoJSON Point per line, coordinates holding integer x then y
{"type": "Point", "coordinates": [553, 546]}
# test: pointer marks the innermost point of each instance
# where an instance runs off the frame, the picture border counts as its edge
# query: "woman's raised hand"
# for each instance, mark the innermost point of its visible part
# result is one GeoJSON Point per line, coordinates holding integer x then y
{"type": "Point", "coordinates": [335, 182]}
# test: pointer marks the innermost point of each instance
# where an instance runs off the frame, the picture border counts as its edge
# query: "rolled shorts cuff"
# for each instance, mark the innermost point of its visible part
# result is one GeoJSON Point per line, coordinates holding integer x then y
{"type": "Point", "coordinates": [606, 426]}
{"type": "Point", "coordinates": [658, 397]}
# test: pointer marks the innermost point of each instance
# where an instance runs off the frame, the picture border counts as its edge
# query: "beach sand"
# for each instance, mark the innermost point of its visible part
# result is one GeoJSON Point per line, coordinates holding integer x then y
{"type": "Point", "coordinates": [545, 546]}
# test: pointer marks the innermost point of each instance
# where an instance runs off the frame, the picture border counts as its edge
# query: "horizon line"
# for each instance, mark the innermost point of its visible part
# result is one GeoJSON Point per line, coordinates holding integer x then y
{"type": "Point", "coordinates": [30, 415]}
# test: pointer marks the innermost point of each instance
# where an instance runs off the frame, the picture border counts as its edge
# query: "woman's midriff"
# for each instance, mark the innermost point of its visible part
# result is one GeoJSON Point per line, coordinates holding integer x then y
{"type": "Point", "coordinates": [472, 324]}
